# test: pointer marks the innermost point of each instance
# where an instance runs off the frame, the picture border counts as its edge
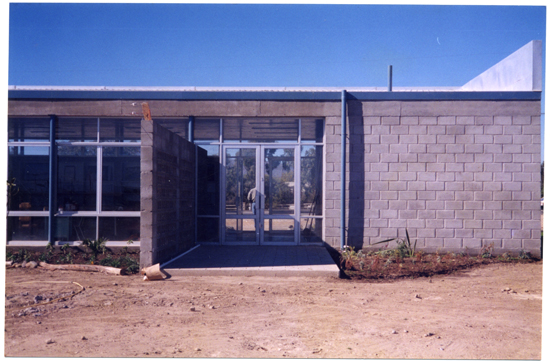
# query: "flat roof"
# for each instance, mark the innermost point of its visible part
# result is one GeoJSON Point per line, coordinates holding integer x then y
{"type": "Point", "coordinates": [260, 93]}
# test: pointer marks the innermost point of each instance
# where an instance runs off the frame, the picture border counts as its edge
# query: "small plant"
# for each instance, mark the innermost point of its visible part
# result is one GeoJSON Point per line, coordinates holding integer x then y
{"type": "Point", "coordinates": [47, 254]}
{"type": "Point", "coordinates": [348, 256]}
{"type": "Point", "coordinates": [132, 265]}
{"type": "Point", "coordinates": [487, 251]}
{"type": "Point", "coordinates": [405, 248]}
{"type": "Point", "coordinates": [524, 255]}
{"type": "Point", "coordinates": [96, 246]}
{"type": "Point", "coordinates": [110, 261]}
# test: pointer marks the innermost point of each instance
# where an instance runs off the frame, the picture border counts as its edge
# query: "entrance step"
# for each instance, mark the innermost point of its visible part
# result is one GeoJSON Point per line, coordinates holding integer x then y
{"type": "Point", "coordinates": [209, 260]}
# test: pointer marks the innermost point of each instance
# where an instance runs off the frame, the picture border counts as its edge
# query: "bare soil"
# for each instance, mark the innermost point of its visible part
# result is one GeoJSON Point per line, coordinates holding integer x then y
{"type": "Point", "coordinates": [484, 311]}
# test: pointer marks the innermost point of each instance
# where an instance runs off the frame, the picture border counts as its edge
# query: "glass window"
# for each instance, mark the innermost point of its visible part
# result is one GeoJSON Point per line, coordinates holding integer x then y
{"type": "Point", "coordinates": [311, 166]}
{"type": "Point", "coordinates": [28, 129]}
{"type": "Point", "coordinates": [208, 180]}
{"type": "Point", "coordinates": [312, 130]}
{"type": "Point", "coordinates": [27, 228]}
{"type": "Point", "coordinates": [120, 130]}
{"type": "Point", "coordinates": [240, 181]}
{"type": "Point", "coordinates": [311, 230]}
{"type": "Point", "coordinates": [119, 228]}
{"type": "Point", "coordinates": [207, 129]}
{"type": "Point", "coordinates": [177, 126]}
{"type": "Point", "coordinates": [240, 230]}
{"type": "Point", "coordinates": [76, 178]}
{"type": "Point", "coordinates": [28, 176]}
{"type": "Point", "coordinates": [76, 129]}
{"type": "Point", "coordinates": [260, 130]}
{"type": "Point", "coordinates": [75, 228]}
{"type": "Point", "coordinates": [121, 179]}
{"type": "Point", "coordinates": [279, 230]}
{"type": "Point", "coordinates": [208, 230]}
{"type": "Point", "coordinates": [279, 181]}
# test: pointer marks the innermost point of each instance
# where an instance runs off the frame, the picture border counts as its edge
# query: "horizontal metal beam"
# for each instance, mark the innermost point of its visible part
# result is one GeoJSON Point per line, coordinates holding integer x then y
{"type": "Point", "coordinates": [271, 95]}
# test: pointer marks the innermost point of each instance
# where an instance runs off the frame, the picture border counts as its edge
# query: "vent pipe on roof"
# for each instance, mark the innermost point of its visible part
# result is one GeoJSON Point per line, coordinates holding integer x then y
{"type": "Point", "coordinates": [343, 176]}
{"type": "Point", "coordinates": [390, 80]}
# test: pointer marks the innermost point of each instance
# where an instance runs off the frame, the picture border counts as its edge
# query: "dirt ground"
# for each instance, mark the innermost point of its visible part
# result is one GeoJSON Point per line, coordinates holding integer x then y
{"type": "Point", "coordinates": [488, 312]}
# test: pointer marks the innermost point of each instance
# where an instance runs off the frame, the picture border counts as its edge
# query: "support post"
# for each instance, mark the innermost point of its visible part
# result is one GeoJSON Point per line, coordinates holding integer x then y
{"type": "Point", "coordinates": [390, 78]}
{"type": "Point", "coordinates": [52, 190]}
{"type": "Point", "coordinates": [343, 176]}
{"type": "Point", "coordinates": [191, 132]}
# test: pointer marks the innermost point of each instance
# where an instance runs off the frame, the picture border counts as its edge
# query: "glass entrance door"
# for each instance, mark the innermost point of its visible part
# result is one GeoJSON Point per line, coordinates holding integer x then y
{"type": "Point", "coordinates": [260, 197]}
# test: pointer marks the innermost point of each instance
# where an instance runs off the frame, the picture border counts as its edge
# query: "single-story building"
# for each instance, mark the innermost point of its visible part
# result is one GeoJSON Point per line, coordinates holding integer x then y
{"type": "Point", "coordinates": [170, 168]}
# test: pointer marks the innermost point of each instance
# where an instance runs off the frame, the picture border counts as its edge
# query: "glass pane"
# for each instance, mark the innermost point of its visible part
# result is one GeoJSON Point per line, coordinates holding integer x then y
{"type": "Point", "coordinates": [28, 129]}
{"type": "Point", "coordinates": [121, 179]}
{"type": "Point", "coordinates": [312, 130]}
{"type": "Point", "coordinates": [208, 230]}
{"type": "Point", "coordinates": [260, 130]}
{"type": "Point", "coordinates": [240, 230]}
{"type": "Point", "coordinates": [27, 228]}
{"type": "Point", "coordinates": [279, 230]}
{"type": "Point", "coordinates": [28, 178]}
{"type": "Point", "coordinates": [177, 126]}
{"type": "Point", "coordinates": [208, 180]}
{"type": "Point", "coordinates": [207, 129]}
{"type": "Point", "coordinates": [240, 181]}
{"type": "Point", "coordinates": [279, 181]}
{"type": "Point", "coordinates": [311, 230]}
{"type": "Point", "coordinates": [75, 228]}
{"type": "Point", "coordinates": [76, 129]}
{"type": "Point", "coordinates": [119, 228]}
{"type": "Point", "coordinates": [120, 130]}
{"type": "Point", "coordinates": [311, 165]}
{"type": "Point", "coordinates": [76, 178]}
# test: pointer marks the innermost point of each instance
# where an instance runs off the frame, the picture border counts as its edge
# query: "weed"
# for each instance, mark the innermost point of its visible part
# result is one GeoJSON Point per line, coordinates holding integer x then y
{"type": "Point", "coordinates": [96, 246]}
{"type": "Point", "coordinates": [524, 255]}
{"type": "Point", "coordinates": [110, 261]}
{"type": "Point", "coordinates": [132, 265]}
{"type": "Point", "coordinates": [405, 248]}
{"type": "Point", "coordinates": [487, 251]}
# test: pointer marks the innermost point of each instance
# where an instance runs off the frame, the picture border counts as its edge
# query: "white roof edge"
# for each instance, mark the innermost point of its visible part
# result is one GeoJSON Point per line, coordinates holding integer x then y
{"type": "Point", "coordinates": [230, 89]}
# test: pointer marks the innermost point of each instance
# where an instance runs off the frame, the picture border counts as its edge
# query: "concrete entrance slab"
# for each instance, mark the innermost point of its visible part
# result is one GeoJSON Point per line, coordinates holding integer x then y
{"type": "Point", "coordinates": [211, 260]}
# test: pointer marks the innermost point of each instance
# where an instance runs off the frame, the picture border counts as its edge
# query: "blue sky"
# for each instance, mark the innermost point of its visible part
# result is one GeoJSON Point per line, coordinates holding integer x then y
{"type": "Point", "coordinates": [262, 45]}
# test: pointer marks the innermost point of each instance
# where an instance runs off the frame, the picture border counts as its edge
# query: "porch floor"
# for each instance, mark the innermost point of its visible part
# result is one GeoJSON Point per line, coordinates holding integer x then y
{"type": "Point", "coordinates": [206, 260]}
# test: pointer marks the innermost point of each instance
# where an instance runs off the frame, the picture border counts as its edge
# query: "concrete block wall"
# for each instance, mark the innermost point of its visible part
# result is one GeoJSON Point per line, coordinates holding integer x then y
{"type": "Point", "coordinates": [456, 174]}
{"type": "Point", "coordinates": [167, 194]}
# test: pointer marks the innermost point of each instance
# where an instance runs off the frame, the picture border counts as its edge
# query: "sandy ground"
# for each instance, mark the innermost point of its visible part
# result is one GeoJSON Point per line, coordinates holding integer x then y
{"type": "Point", "coordinates": [491, 312]}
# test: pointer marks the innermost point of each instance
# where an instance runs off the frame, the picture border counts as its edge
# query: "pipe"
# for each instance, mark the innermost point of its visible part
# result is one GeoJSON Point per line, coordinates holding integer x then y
{"type": "Point", "coordinates": [53, 181]}
{"type": "Point", "coordinates": [191, 130]}
{"type": "Point", "coordinates": [390, 78]}
{"type": "Point", "coordinates": [343, 176]}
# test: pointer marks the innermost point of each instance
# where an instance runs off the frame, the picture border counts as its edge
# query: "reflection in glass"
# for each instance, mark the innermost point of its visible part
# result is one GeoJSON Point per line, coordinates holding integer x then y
{"type": "Point", "coordinates": [208, 230]}
{"type": "Point", "coordinates": [75, 228]}
{"type": "Point", "coordinates": [279, 230]}
{"type": "Point", "coordinates": [240, 181]}
{"type": "Point", "coordinates": [312, 130]}
{"type": "Point", "coordinates": [311, 181]}
{"type": "Point", "coordinates": [279, 181]}
{"type": "Point", "coordinates": [76, 178]}
{"type": "Point", "coordinates": [175, 125]}
{"type": "Point", "coordinates": [240, 230]}
{"type": "Point", "coordinates": [28, 174]}
{"type": "Point", "coordinates": [121, 179]}
{"type": "Point", "coordinates": [311, 230]}
{"type": "Point", "coordinates": [119, 228]}
{"type": "Point", "coordinates": [27, 228]}
{"type": "Point", "coordinates": [28, 129]}
{"type": "Point", "coordinates": [260, 130]}
{"type": "Point", "coordinates": [76, 129]}
{"type": "Point", "coordinates": [206, 129]}
{"type": "Point", "coordinates": [208, 180]}
{"type": "Point", "coordinates": [120, 130]}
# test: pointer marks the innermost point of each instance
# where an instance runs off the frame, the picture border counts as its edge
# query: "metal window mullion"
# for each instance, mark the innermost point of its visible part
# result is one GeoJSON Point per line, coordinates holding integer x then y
{"type": "Point", "coordinates": [52, 189]}
{"type": "Point", "coordinates": [99, 187]}
{"type": "Point", "coordinates": [297, 191]}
